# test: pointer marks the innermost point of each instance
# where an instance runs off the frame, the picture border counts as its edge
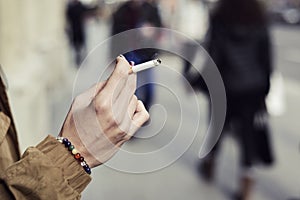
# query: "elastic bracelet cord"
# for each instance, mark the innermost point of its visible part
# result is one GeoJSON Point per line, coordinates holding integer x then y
{"type": "Point", "coordinates": [75, 153]}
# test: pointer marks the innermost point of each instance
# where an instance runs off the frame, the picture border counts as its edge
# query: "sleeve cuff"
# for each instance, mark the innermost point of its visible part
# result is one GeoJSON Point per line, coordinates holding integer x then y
{"type": "Point", "coordinates": [73, 172]}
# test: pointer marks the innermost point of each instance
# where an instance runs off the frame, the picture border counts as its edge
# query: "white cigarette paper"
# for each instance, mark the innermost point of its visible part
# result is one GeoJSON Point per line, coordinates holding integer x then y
{"type": "Point", "coordinates": [144, 66]}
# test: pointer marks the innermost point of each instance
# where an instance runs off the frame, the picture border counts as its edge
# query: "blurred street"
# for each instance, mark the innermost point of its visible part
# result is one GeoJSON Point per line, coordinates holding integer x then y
{"type": "Point", "coordinates": [180, 180]}
{"type": "Point", "coordinates": [37, 55]}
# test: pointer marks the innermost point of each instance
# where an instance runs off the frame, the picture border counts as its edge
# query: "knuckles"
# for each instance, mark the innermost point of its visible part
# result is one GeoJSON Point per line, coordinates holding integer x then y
{"type": "Point", "coordinates": [144, 113]}
{"type": "Point", "coordinates": [135, 98]}
{"type": "Point", "coordinates": [102, 105]}
{"type": "Point", "coordinates": [127, 138]}
{"type": "Point", "coordinates": [121, 134]}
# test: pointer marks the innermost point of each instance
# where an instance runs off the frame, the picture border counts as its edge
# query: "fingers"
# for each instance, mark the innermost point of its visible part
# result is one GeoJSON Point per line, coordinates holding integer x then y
{"type": "Point", "coordinates": [118, 111]}
{"type": "Point", "coordinates": [94, 90]}
{"type": "Point", "coordinates": [123, 100]}
{"type": "Point", "coordinates": [132, 106]}
{"type": "Point", "coordinates": [105, 101]}
{"type": "Point", "coordinates": [118, 78]}
{"type": "Point", "coordinates": [140, 116]}
{"type": "Point", "coordinates": [126, 120]}
{"type": "Point", "coordinates": [87, 97]}
{"type": "Point", "coordinates": [120, 106]}
{"type": "Point", "coordinates": [94, 121]}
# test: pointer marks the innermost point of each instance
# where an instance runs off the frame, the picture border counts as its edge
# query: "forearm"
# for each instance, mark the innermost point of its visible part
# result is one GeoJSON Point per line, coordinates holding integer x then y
{"type": "Point", "coordinates": [45, 171]}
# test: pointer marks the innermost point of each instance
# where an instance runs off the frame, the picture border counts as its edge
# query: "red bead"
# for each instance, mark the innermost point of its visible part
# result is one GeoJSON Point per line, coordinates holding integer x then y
{"type": "Point", "coordinates": [77, 156]}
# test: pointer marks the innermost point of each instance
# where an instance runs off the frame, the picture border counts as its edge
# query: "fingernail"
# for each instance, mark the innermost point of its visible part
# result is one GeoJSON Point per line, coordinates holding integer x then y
{"type": "Point", "coordinates": [132, 63]}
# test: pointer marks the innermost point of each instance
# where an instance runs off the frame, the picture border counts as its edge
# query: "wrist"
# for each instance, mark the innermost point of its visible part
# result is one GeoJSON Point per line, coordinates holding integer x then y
{"type": "Point", "coordinates": [77, 178]}
{"type": "Point", "coordinates": [72, 135]}
{"type": "Point", "coordinates": [77, 156]}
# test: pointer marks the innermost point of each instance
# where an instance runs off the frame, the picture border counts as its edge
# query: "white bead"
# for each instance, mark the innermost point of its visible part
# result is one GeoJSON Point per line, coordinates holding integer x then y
{"type": "Point", "coordinates": [83, 163]}
{"type": "Point", "coordinates": [60, 139]}
{"type": "Point", "coordinates": [74, 151]}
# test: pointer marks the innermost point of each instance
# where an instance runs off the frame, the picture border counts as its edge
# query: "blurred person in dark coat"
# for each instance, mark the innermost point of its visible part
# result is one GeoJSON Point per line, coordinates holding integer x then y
{"type": "Point", "coordinates": [239, 43]}
{"type": "Point", "coordinates": [133, 14]}
{"type": "Point", "coordinates": [138, 14]}
{"type": "Point", "coordinates": [76, 12]}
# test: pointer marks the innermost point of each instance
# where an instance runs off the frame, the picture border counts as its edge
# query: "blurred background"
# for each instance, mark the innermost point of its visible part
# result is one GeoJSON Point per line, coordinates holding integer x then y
{"type": "Point", "coordinates": [40, 58]}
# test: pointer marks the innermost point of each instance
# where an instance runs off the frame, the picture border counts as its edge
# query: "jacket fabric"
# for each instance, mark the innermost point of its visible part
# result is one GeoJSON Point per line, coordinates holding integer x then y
{"type": "Point", "coordinates": [46, 171]}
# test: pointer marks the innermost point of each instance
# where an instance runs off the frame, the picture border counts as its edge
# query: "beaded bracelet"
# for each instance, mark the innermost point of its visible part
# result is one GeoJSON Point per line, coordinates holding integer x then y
{"type": "Point", "coordinates": [75, 153]}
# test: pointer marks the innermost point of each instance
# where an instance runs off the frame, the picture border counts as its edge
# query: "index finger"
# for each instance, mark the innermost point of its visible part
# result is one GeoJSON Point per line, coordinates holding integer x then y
{"type": "Point", "coordinates": [118, 78]}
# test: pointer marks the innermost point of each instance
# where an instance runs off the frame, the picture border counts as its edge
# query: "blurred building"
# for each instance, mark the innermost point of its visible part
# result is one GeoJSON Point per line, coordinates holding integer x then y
{"type": "Point", "coordinates": [34, 56]}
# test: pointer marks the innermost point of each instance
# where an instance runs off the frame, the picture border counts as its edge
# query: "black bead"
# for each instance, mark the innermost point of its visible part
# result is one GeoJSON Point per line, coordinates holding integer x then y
{"type": "Point", "coordinates": [81, 159]}
{"type": "Point", "coordinates": [65, 140]}
{"type": "Point", "coordinates": [67, 144]}
{"type": "Point", "coordinates": [87, 169]}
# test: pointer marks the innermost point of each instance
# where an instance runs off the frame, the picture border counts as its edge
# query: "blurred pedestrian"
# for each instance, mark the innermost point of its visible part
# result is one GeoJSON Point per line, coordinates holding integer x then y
{"type": "Point", "coordinates": [239, 43]}
{"type": "Point", "coordinates": [76, 12]}
{"type": "Point", "coordinates": [139, 14]}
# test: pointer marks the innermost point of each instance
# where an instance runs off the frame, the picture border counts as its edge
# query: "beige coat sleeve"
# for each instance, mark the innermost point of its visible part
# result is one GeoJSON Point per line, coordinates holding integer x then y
{"type": "Point", "coordinates": [47, 171]}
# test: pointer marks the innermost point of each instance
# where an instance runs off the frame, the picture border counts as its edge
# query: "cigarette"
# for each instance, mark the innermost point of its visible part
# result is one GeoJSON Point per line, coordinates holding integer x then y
{"type": "Point", "coordinates": [144, 66]}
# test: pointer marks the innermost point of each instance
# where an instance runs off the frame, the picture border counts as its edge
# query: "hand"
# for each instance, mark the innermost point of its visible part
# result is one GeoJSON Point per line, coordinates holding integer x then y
{"type": "Point", "coordinates": [105, 116]}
